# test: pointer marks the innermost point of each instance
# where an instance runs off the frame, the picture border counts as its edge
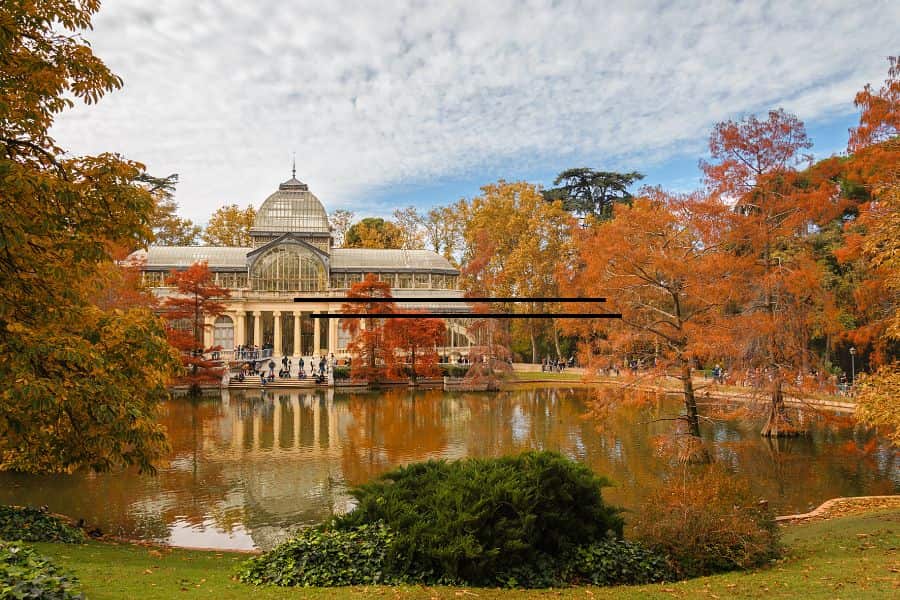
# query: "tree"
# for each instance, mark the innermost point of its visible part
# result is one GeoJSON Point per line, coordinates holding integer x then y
{"type": "Point", "coordinates": [513, 241]}
{"type": "Point", "coordinates": [369, 352]}
{"type": "Point", "coordinates": [877, 146]}
{"type": "Point", "coordinates": [117, 283]}
{"type": "Point", "coordinates": [410, 223]}
{"type": "Point", "coordinates": [876, 401]}
{"type": "Point", "coordinates": [880, 117]}
{"type": "Point", "coordinates": [754, 166]}
{"type": "Point", "coordinates": [660, 264]}
{"type": "Point", "coordinates": [168, 228]}
{"type": "Point", "coordinates": [412, 344]}
{"type": "Point", "coordinates": [196, 298]}
{"type": "Point", "coordinates": [230, 226]}
{"type": "Point", "coordinates": [374, 232]}
{"type": "Point", "coordinates": [588, 192]}
{"type": "Point", "coordinates": [746, 151]}
{"type": "Point", "coordinates": [340, 222]}
{"type": "Point", "coordinates": [442, 230]}
{"type": "Point", "coordinates": [85, 383]}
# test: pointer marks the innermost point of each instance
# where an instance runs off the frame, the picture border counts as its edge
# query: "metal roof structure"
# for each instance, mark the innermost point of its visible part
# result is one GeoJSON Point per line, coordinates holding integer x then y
{"type": "Point", "coordinates": [363, 259]}
{"type": "Point", "coordinates": [173, 257]}
{"type": "Point", "coordinates": [342, 259]}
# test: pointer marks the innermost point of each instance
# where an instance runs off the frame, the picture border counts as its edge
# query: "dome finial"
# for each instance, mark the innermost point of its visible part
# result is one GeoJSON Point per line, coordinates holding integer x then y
{"type": "Point", "coordinates": [294, 167]}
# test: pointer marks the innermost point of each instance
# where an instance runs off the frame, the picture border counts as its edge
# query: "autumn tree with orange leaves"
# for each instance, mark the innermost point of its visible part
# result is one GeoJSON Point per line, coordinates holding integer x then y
{"type": "Point", "coordinates": [370, 355]}
{"type": "Point", "coordinates": [411, 347]}
{"type": "Point", "coordinates": [660, 264]}
{"type": "Point", "coordinates": [754, 166]}
{"type": "Point", "coordinates": [196, 298]}
{"type": "Point", "coordinates": [876, 239]}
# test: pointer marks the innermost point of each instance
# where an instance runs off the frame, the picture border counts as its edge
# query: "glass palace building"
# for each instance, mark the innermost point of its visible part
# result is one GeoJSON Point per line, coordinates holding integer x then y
{"type": "Point", "coordinates": [292, 255]}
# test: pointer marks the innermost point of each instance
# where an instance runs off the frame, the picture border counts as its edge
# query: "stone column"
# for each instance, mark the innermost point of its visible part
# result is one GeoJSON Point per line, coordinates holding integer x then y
{"type": "Point", "coordinates": [277, 349]}
{"type": "Point", "coordinates": [332, 335]}
{"type": "Point", "coordinates": [240, 328]}
{"type": "Point", "coordinates": [257, 328]}
{"type": "Point", "coordinates": [317, 343]}
{"type": "Point", "coordinates": [207, 332]}
{"type": "Point", "coordinates": [297, 315]}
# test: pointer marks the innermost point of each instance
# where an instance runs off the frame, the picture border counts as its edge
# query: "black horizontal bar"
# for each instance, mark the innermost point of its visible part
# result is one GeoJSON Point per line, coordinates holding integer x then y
{"type": "Point", "coordinates": [477, 300]}
{"type": "Point", "coordinates": [446, 315]}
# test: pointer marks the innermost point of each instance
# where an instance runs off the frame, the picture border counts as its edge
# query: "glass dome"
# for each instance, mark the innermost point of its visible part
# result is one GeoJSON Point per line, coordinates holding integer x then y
{"type": "Point", "coordinates": [292, 209]}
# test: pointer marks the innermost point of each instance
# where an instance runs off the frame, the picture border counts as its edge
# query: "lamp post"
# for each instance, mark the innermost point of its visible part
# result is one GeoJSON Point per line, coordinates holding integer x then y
{"type": "Point", "coordinates": [852, 366]}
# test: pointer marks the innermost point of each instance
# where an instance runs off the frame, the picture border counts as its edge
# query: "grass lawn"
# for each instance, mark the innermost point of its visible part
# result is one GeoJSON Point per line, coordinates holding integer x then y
{"type": "Point", "coordinates": [856, 556]}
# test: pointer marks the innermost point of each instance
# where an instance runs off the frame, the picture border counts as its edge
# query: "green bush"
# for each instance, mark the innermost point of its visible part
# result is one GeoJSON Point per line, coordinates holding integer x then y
{"type": "Point", "coordinates": [452, 370]}
{"type": "Point", "coordinates": [324, 557]}
{"type": "Point", "coordinates": [708, 521]}
{"type": "Point", "coordinates": [36, 525]}
{"type": "Point", "coordinates": [341, 373]}
{"type": "Point", "coordinates": [486, 521]}
{"type": "Point", "coordinates": [618, 562]}
{"type": "Point", "coordinates": [26, 574]}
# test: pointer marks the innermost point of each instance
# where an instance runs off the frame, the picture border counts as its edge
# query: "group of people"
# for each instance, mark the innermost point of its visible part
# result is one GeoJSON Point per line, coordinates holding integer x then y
{"type": "Point", "coordinates": [249, 352]}
{"type": "Point", "coordinates": [556, 364]}
{"type": "Point", "coordinates": [317, 368]}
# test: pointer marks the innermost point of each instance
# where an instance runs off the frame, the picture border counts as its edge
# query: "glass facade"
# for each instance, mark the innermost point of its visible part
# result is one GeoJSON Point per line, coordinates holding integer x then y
{"type": "Point", "coordinates": [233, 281]}
{"type": "Point", "coordinates": [223, 333]}
{"type": "Point", "coordinates": [401, 281]}
{"type": "Point", "coordinates": [288, 269]}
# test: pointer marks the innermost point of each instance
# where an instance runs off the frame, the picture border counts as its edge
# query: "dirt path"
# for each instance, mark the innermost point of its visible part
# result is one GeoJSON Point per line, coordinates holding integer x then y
{"type": "Point", "coordinates": [838, 507]}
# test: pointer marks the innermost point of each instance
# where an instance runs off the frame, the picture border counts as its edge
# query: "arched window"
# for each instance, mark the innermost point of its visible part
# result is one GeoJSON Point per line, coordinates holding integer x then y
{"type": "Point", "coordinates": [223, 332]}
{"type": "Point", "coordinates": [288, 269]}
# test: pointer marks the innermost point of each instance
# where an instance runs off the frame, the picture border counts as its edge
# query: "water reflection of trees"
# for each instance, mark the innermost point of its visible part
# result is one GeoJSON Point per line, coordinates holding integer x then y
{"type": "Point", "coordinates": [264, 461]}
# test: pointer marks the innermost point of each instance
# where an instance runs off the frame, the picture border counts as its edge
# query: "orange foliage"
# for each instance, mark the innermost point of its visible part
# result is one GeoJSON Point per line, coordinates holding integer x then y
{"type": "Point", "coordinates": [196, 297]}
{"type": "Point", "coordinates": [117, 283]}
{"type": "Point", "coordinates": [880, 118]}
{"type": "Point", "coordinates": [412, 345]}
{"type": "Point", "coordinates": [367, 345]}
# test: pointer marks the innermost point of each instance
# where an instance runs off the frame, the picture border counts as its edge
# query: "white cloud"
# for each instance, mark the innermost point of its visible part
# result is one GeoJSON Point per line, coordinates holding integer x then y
{"type": "Point", "coordinates": [377, 94]}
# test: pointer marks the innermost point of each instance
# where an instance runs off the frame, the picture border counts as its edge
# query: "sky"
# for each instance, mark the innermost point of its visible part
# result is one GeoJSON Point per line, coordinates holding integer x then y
{"type": "Point", "coordinates": [396, 103]}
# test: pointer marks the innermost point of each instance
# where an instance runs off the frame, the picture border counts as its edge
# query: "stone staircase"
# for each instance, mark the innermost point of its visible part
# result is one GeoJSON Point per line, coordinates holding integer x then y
{"type": "Point", "coordinates": [254, 382]}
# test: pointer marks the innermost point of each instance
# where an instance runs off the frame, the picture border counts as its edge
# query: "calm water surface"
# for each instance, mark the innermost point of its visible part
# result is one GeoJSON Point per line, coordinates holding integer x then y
{"type": "Point", "coordinates": [247, 469]}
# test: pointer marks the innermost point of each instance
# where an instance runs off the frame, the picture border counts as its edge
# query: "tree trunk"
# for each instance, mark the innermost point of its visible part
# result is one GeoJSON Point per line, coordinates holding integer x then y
{"type": "Point", "coordinates": [697, 452]}
{"type": "Point", "coordinates": [778, 423]}
{"type": "Point", "coordinates": [533, 343]}
{"type": "Point", "coordinates": [690, 402]}
{"type": "Point", "coordinates": [556, 338]}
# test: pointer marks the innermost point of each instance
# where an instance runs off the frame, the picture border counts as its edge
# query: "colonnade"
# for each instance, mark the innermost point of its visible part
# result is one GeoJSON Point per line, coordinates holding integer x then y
{"type": "Point", "coordinates": [250, 331]}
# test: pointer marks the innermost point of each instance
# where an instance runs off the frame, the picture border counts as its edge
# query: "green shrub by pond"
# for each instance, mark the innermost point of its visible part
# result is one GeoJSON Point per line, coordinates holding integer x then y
{"type": "Point", "coordinates": [533, 520]}
{"type": "Point", "coordinates": [474, 519]}
{"type": "Point", "coordinates": [341, 373]}
{"type": "Point", "coordinates": [320, 557]}
{"type": "Point", "coordinates": [36, 525]}
{"type": "Point", "coordinates": [453, 370]}
{"type": "Point", "coordinates": [26, 574]}
{"type": "Point", "coordinates": [617, 562]}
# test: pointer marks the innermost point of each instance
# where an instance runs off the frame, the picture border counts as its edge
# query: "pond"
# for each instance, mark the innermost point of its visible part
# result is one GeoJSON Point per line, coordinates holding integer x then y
{"type": "Point", "coordinates": [248, 468]}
